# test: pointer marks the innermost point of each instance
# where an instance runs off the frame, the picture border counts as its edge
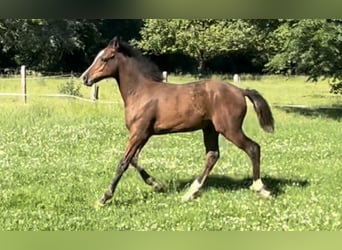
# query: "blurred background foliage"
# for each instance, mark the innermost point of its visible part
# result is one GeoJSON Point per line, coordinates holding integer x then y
{"type": "Point", "coordinates": [310, 47]}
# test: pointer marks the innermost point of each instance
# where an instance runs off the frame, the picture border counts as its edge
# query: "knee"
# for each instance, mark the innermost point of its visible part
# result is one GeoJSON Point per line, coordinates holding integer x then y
{"type": "Point", "coordinates": [253, 148]}
{"type": "Point", "coordinates": [134, 162]}
{"type": "Point", "coordinates": [123, 165]}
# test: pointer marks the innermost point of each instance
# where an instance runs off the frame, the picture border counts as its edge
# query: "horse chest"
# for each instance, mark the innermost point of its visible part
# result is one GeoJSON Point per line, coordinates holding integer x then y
{"type": "Point", "coordinates": [137, 115]}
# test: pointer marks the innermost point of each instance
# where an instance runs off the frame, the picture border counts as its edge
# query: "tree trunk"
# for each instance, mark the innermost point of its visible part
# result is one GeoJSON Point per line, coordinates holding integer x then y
{"type": "Point", "coordinates": [200, 68]}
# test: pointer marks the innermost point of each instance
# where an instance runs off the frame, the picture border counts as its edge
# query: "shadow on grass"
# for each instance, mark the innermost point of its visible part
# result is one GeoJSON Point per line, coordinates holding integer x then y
{"type": "Point", "coordinates": [334, 112]}
{"type": "Point", "coordinates": [275, 185]}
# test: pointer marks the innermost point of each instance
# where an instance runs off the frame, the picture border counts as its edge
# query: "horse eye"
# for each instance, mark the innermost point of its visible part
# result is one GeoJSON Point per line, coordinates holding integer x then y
{"type": "Point", "coordinates": [104, 60]}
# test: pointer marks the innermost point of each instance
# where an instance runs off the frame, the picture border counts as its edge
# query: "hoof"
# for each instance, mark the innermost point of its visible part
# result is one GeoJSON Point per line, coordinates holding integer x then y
{"type": "Point", "coordinates": [99, 205]}
{"type": "Point", "coordinates": [259, 188]}
{"type": "Point", "coordinates": [158, 188]}
{"type": "Point", "coordinates": [187, 197]}
{"type": "Point", "coordinates": [190, 196]}
{"type": "Point", "coordinates": [193, 192]}
{"type": "Point", "coordinates": [264, 193]}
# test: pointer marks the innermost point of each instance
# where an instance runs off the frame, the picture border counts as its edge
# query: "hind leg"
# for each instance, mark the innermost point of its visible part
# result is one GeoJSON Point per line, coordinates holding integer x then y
{"type": "Point", "coordinates": [148, 179]}
{"type": "Point", "coordinates": [212, 155]}
{"type": "Point", "coordinates": [252, 149]}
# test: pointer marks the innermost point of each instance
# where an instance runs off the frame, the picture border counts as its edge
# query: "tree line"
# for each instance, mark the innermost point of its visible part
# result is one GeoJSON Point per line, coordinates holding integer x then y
{"type": "Point", "coordinates": [62, 45]}
{"type": "Point", "coordinates": [309, 47]}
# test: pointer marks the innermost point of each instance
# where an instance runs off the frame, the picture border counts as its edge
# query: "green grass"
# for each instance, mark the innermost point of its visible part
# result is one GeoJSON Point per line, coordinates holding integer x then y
{"type": "Point", "coordinates": [57, 156]}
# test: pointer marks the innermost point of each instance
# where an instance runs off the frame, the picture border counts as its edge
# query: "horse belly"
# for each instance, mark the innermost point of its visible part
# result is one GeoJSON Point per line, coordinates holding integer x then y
{"type": "Point", "coordinates": [173, 120]}
{"type": "Point", "coordinates": [181, 109]}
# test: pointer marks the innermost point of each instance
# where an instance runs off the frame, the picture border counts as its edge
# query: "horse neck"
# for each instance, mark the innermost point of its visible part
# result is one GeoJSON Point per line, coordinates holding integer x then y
{"type": "Point", "coordinates": [129, 79]}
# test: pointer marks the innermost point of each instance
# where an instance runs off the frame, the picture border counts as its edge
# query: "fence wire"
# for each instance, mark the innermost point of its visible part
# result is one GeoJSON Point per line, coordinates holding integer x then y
{"type": "Point", "coordinates": [6, 75]}
{"type": "Point", "coordinates": [58, 96]}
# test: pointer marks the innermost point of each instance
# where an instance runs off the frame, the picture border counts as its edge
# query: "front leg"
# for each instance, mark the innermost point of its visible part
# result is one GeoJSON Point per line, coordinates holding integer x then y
{"type": "Point", "coordinates": [122, 167]}
{"type": "Point", "coordinates": [134, 144]}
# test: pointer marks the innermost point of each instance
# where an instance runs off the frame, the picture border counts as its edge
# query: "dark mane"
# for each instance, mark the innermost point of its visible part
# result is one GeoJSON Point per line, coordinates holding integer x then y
{"type": "Point", "coordinates": [144, 65]}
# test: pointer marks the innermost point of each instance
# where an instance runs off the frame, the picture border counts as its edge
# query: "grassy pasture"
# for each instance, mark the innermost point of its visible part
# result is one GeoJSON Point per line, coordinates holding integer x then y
{"type": "Point", "coordinates": [57, 156]}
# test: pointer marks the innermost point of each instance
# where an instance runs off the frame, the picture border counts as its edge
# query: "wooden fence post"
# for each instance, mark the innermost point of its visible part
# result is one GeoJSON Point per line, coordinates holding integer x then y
{"type": "Point", "coordinates": [94, 96]}
{"type": "Point", "coordinates": [164, 76]}
{"type": "Point", "coordinates": [23, 83]}
{"type": "Point", "coordinates": [236, 78]}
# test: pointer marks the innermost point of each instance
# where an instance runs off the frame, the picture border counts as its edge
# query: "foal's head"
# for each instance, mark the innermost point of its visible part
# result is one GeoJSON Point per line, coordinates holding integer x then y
{"type": "Point", "coordinates": [104, 65]}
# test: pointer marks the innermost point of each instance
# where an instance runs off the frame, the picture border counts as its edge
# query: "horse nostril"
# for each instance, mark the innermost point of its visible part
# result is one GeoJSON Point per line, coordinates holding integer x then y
{"type": "Point", "coordinates": [84, 77]}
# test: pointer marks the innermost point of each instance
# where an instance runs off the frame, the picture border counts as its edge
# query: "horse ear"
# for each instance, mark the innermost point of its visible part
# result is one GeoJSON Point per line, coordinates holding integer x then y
{"type": "Point", "coordinates": [114, 42]}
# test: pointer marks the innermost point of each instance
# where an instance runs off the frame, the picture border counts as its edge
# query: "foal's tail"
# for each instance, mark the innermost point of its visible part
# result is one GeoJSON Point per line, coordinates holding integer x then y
{"type": "Point", "coordinates": [262, 109]}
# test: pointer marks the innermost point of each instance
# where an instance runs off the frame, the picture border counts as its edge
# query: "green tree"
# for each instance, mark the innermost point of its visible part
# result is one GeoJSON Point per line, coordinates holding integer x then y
{"type": "Point", "coordinates": [201, 39]}
{"type": "Point", "coordinates": [39, 43]}
{"type": "Point", "coordinates": [57, 45]}
{"type": "Point", "coordinates": [311, 47]}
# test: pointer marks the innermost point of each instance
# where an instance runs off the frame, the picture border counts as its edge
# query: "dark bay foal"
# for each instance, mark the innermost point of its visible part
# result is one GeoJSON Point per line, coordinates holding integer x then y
{"type": "Point", "coordinates": [153, 107]}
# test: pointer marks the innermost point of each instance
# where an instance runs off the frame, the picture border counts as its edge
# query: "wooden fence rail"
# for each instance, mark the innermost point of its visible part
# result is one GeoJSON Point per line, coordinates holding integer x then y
{"type": "Point", "coordinates": [94, 92]}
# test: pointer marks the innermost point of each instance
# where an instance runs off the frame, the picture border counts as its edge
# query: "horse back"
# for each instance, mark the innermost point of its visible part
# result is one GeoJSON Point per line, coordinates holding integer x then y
{"type": "Point", "coordinates": [191, 106]}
